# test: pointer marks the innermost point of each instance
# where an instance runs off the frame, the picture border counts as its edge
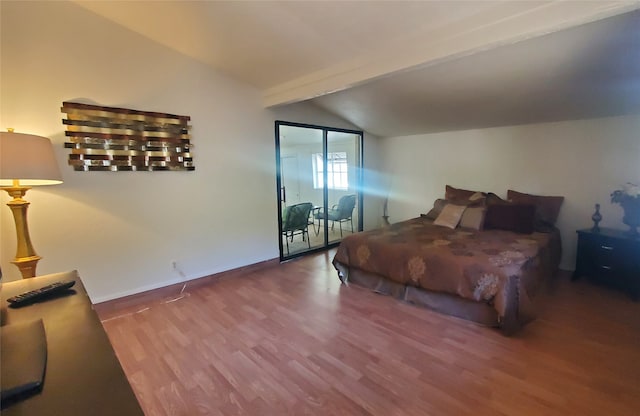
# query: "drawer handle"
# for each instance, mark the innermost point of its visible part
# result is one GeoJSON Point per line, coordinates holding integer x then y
{"type": "Point", "coordinates": [606, 267]}
{"type": "Point", "coordinates": [607, 247]}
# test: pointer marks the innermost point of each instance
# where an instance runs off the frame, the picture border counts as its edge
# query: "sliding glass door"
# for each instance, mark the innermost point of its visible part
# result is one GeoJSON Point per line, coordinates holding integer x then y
{"type": "Point", "coordinates": [342, 163]}
{"type": "Point", "coordinates": [318, 182]}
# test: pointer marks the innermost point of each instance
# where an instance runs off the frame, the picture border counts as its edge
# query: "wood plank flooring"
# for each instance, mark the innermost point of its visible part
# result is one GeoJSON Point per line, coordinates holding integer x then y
{"type": "Point", "coordinates": [290, 340]}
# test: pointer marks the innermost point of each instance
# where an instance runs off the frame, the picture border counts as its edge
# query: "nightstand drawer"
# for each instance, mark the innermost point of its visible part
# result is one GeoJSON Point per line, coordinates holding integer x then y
{"type": "Point", "coordinates": [608, 252]}
{"type": "Point", "coordinates": [612, 261]}
{"type": "Point", "coordinates": [611, 257]}
{"type": "Point", "coordinates": [603, 271]}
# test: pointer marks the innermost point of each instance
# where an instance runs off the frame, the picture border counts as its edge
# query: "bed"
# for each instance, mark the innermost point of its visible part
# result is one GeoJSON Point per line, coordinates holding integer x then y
{"type": "Point", "coordinates": [484, 274]}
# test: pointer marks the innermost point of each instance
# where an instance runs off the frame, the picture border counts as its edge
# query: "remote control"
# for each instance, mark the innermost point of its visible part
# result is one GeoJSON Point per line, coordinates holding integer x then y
{"type": "Point", "coordinates": [36, 295]}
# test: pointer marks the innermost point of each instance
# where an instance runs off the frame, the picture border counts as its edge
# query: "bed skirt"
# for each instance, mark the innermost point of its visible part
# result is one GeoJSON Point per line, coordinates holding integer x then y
{"type": "Point", "coordinates": [519, 311]}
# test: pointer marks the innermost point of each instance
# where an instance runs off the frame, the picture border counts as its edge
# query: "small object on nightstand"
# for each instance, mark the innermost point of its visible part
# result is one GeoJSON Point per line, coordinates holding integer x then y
{"type": "Point", "coordinates": [629, 199]}
{"type": "Point", "coordinates": [596, 217]}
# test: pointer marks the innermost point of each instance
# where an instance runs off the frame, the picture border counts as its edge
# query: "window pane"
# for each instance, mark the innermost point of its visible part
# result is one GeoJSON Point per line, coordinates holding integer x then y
{"type": "Point", "coordinates": [318, 177]}
{"type": "Point", "coordinates": [337, 171]}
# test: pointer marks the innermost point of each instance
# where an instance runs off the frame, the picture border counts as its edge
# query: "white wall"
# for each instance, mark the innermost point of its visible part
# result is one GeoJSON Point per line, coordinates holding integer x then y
{"type": "Point", "coordinates": [584, 161]}
{"type": "Point", "coordinates": [121, 230]}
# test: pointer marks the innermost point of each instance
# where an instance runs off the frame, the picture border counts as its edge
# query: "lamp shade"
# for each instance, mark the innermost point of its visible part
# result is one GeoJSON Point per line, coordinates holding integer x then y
{"type": "Point", "coordinates": [27, 158]}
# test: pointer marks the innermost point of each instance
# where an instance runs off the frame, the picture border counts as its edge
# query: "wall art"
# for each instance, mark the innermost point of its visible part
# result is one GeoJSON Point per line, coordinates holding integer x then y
{"type": "Point", "coordinates": [120, 139]}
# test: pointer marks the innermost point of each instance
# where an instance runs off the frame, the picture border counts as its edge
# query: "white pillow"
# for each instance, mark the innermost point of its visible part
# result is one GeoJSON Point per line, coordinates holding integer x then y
{"type": "Point", "coordinates": [473, 218]}
{"type": "Point", "coordinates": [450, 216]}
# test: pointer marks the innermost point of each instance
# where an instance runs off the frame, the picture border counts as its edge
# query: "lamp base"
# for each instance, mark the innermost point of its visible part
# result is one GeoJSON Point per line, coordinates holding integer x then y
{"type": "Point", "coordinates": [27, 265]}
{"type": "Point", "coordinates": [26, 258]}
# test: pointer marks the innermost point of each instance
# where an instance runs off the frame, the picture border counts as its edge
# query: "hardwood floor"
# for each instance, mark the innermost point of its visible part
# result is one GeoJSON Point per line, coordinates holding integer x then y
{"type": "Point", "coordinates": [290, 340]}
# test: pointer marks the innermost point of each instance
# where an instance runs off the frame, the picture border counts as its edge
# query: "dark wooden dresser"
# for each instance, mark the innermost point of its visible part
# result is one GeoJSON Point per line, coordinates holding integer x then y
{"type": "Point", "coordinates": [83, 375]}
{"type": "Point", "coordinates": [609, 257]}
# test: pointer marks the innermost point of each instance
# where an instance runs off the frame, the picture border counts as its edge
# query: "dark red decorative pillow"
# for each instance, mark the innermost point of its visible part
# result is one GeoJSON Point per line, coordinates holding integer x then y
{"type": "Point", "coordinates": [492, 199]}
{"type": "Point", "coordinates": [547, 208]}
{"type": "Point", "coordinates": [518, 218]}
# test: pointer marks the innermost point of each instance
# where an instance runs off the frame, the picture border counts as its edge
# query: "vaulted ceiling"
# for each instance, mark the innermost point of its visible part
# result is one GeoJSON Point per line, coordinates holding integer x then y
{"type": "Point", "coordinates": [397, 68]}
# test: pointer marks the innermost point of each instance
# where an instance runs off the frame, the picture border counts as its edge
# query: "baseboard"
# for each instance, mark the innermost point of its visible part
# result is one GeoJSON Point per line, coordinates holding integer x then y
{"type": "Point", "coordinates": [161, 289]}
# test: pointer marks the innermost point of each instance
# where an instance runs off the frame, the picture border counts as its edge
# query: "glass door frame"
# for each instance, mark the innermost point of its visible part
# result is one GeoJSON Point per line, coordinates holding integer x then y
{"type": "Point", "coordinates": [325, 190]}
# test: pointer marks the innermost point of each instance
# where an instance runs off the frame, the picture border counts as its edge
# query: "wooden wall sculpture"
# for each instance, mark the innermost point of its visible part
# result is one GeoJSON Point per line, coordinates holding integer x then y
{"type": "Point", "coordinates": [118, 139]}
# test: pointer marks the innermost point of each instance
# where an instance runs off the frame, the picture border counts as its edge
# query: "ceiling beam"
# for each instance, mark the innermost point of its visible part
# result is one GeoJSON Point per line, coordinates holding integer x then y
{"type": "Point", "coordinates": [507, 23]}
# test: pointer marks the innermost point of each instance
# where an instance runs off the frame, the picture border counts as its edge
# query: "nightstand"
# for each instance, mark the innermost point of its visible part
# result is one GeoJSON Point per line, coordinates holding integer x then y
{"type": "Point", "coordinates": [610, 257]}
